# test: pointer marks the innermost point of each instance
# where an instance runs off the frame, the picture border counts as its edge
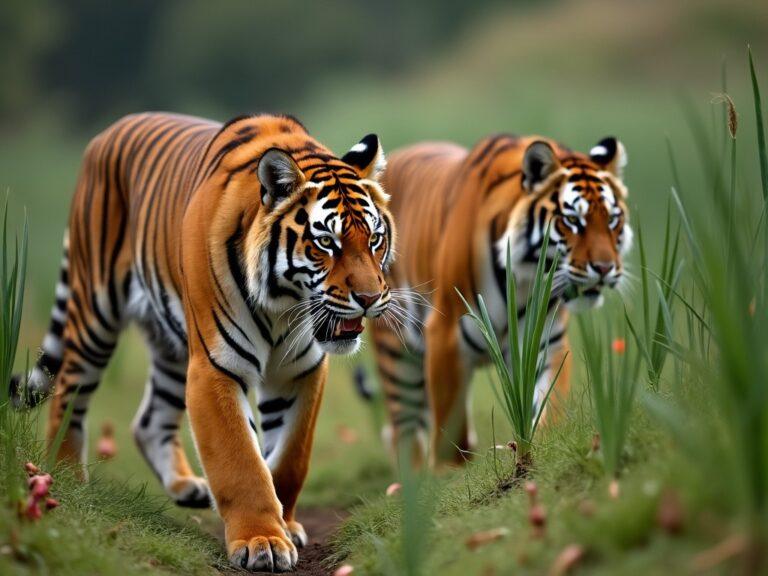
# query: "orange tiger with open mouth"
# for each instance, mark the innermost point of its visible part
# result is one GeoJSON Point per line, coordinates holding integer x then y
{"type": "Point", "coordinates": [245, 252]}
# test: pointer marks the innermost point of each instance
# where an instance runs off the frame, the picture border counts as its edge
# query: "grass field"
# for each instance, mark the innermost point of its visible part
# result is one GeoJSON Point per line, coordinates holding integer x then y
{"type": "Point", "coordinates": [121, 524]}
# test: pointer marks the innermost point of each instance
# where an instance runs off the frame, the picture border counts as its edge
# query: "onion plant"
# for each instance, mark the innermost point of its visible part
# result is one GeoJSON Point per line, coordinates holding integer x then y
{"type": "Point", "coordinates": [526, 349]}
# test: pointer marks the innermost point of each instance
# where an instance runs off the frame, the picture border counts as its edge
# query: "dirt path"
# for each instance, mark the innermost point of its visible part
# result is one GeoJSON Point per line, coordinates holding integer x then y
{"type": "Point", "coordinates": [319, 523]}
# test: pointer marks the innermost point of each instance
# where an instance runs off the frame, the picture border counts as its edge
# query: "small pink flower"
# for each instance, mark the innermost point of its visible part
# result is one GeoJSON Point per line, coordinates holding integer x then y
{"type": "Point", "coordinates": [346, 434]}
{"type": "Point", "coordinates": [39, 485]}
{"type": "Point", "coordinates": [31, 469]}
{"type": "Point", "coordinates": [344, 570]}
{"type": "Point", "coordinates": [33, 511]}
{"type": "Point", "coordinates": [51, 503]}
{"type": "Point", "coordinates": [537, 517]}
{"type": "Point", "coordinates": [393, 488]}
{"type": "Point", "coordinates": [106, 447]}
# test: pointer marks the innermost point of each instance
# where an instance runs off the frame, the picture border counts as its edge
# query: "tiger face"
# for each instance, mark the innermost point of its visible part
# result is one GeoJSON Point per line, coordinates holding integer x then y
{"type": "Point", "coordinates": [325, 242]}
{"type": "Point", "coordinates": [581, 200]}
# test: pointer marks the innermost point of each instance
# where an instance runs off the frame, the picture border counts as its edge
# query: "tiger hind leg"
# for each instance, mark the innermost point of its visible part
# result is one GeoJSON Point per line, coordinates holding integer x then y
{"type": "Point", "coordinates": [90, 333]}
{"type": "Point", "coordinates": [156, 431]}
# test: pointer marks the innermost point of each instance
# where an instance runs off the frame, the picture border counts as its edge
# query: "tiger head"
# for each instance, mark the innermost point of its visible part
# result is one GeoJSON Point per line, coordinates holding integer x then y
{"type": "Point", "coordinates": [581, 200]}
{"type": "Point", "coordinates": [325, 240]}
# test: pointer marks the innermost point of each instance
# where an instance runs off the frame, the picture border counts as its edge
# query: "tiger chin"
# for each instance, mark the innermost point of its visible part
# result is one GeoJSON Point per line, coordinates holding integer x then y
{"type": "Point", "coordinates": [246, 252]}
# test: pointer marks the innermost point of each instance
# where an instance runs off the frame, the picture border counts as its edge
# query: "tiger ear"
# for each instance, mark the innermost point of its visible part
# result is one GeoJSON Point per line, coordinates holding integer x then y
{"type": "Point", "coordinates": [279, 176]}
{"type": "Point", "coordinates": [539, 162]}
{"type": "Point", "coordinates": [609, 154]}
{"type": "Point", "coordinates": [367, 157]}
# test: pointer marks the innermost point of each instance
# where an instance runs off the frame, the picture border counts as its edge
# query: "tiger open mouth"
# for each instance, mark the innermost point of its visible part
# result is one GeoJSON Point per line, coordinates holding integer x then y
{"type": "Point", "coordinates": [335, 328]}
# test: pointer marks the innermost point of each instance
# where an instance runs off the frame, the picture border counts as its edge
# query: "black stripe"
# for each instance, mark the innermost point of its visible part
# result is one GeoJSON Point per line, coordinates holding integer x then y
{"type": "Point", "coordinates": [49, 364]}
{"type": "Point", "coordinates": [97, 311]}
{"type": "Point", "coordinates": [275, 290]}
{"type": "Point", "coordinates": [276, 405]}
{"type": "Point", "coordinates": [402, 400]}
{"type": "Point", "coordinates": [167, 438]}
{"type": "Point", "coordinates": [239, 350]}
{"type": "Point", "coordinates": [93, 360]}
{"type": "Point", "coordinates": [399, 382]}
{"type": "Point", "coordinates": [172, 374]}
{"type": "Point", "coordinates": [219, 367]}
{"type": "Point", "coordinates": [268, 425]}
{"type": "Point", "coordinates": [167, 396]}
{"type": "Point", "coordinates": [554, 338]}
{"type": "Point", "coordinates": [236, 270]}
{"type": "Point", "coordinates": [311, 369]}
{"type": "Point", "coordinates": [82, 389]}
{"type": "Point", "coordinates": [479, 155]}
{"type": "Point", "coordinates": [468, 339]}
{"type": "Point", "coordinates": [499, 273]}
{"type": "Point", "coordinates": [406, 417]}
{"type": "Point", "coordinates": [56, 328]}
{"type": "Point", "coordinates": [303, 353]}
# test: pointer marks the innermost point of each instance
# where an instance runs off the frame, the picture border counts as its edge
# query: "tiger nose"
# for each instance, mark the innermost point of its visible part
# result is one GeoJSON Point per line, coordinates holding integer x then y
{"type": "Point", "coordinates": [366, 300]}
{"type": "Point", "coordinates": [603, 268]}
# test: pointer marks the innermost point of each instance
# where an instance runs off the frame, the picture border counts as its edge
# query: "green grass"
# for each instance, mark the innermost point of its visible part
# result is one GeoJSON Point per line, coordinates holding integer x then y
{"type": "Point", "coordinates": [612, 381]}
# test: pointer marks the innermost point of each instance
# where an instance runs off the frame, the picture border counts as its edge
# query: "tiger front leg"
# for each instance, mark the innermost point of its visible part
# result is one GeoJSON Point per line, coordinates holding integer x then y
{"type": "Point", "coordinates": [288, 416]}
{"type": "Point", "coordinates": [447, 379]}
{"type": "Point", "coordinates": [240, 481]}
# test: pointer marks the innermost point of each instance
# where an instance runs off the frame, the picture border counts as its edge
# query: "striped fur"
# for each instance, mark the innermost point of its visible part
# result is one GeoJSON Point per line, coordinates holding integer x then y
{"type": "Point", "coordinates": [457, 211]}
{"type": "Point", "coordinates": [245, 252]}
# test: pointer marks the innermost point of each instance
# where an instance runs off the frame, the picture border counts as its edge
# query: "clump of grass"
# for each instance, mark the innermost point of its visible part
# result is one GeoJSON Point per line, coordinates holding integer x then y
{"type": "Point", "coordinates": [612, 375]}
{"type": "Point", "coordinates": [527, 350]}
{"type": "Point", "coordinates": [15, 428]}
{"type": "Point", "coordinates": [657, 326]}
{"type": "Point", "coordinates": [727, 444]}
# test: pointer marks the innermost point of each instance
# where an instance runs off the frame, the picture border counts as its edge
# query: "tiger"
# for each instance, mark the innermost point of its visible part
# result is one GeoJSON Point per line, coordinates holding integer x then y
{"type": "Point", "coordinates": [246, 252]}
{"type": "Point", "coordinates": [458, 211]}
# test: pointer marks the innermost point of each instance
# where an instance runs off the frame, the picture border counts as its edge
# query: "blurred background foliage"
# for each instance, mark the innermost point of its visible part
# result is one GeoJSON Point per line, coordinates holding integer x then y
{"type": "Point", "coordinates": [89, 61]}
{"type": "Point", "coordinates": [575, 70]}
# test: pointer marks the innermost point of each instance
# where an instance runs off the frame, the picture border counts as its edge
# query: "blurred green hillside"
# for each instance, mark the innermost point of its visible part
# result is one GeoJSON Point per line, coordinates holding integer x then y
{"type": "Point", "coordinates": [574, 70]}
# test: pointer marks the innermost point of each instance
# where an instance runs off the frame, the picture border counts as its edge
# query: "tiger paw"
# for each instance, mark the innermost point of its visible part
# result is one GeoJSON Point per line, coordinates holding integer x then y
{"type": "Point", "coordinates": [269, 553]}
{"type": "Point", "coordinates": [190, 492]}
{"type": "Point", "coordinates": [297, 532]}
